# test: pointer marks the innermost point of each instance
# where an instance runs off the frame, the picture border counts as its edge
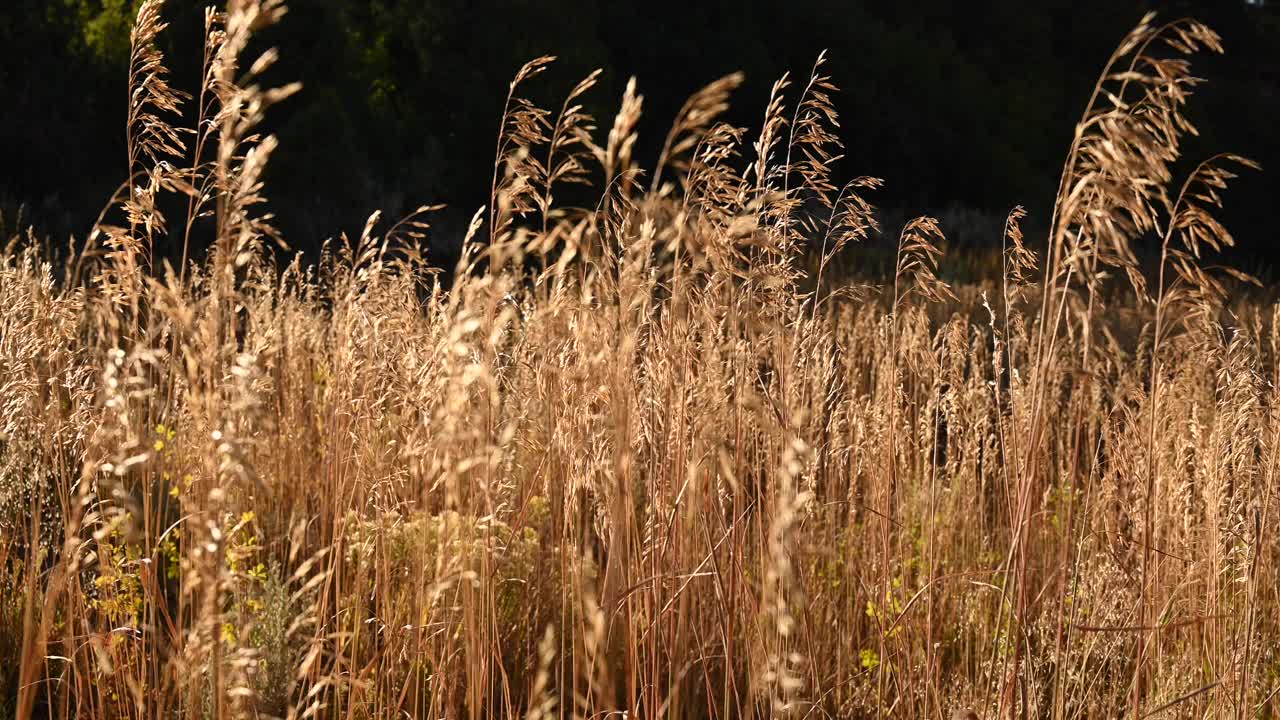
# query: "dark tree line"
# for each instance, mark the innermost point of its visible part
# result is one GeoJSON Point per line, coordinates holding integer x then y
{"type": "Point", "coordinates": [953, 103]}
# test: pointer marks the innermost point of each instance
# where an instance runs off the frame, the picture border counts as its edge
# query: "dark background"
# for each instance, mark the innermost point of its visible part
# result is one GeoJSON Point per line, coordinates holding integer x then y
{"type": "Point", "coordinates": [964, 108]}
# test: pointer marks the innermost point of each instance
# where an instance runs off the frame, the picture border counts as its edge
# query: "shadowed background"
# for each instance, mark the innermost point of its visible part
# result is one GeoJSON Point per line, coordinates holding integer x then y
{"type": "Point", "coordinates": [965, 109]}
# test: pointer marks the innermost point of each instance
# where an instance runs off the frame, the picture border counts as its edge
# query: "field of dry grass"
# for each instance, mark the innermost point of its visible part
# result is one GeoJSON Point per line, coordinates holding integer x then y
{"type": "Point", "coordinates": [652, 458]}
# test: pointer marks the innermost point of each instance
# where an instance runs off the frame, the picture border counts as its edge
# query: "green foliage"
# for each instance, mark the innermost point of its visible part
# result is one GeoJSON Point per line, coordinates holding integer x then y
{"type": "Point", "coordinates": [104, 27]}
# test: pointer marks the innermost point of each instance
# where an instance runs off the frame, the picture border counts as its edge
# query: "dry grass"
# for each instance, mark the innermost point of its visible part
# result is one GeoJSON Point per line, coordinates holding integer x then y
{"type": "Point", "coordinates": [643, 459]}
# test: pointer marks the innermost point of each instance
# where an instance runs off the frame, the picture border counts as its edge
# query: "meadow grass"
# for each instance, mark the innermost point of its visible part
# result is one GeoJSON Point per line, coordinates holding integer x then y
{"type": "Point", "coordinates": [656, 457]}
